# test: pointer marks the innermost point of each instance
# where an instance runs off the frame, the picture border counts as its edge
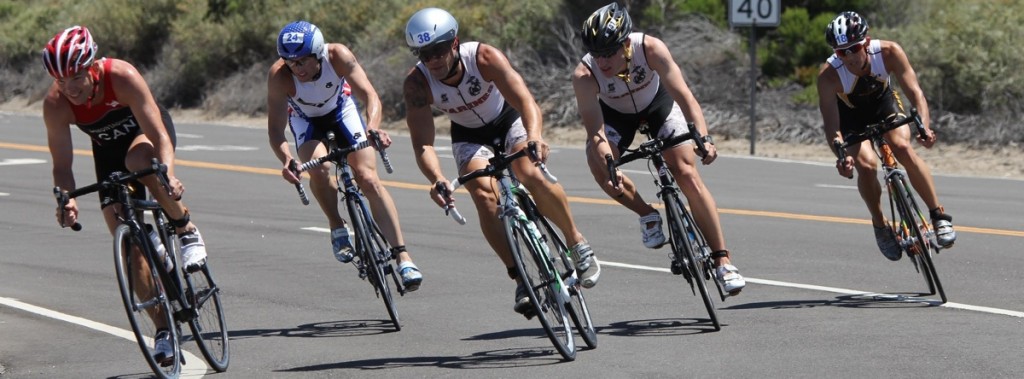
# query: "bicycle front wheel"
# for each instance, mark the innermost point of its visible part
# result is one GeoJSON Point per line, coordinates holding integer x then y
{"type": "Point", "coordinates": [209, 327]}
{"type": "Point", "coordinates": [916, 241]}
{"type": "Point", "coordinates": [684, 247]}
{"type": "Point", "coordinates": [373, 252]}
{"type": "Point", "coordinates": [145, 301]}
{"type": "Point", "coordinates": [539, 276]}
{"type": "Point", "coordinates": [566, 266]}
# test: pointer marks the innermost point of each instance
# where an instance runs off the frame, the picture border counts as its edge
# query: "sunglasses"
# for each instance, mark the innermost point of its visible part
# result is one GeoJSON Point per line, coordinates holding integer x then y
{"type": "Point", "coordinates": [433, 52]}
{"type": "Point", "coordinates": [604, 53]}
{"type": "Point", "coordinates": [856, 48]}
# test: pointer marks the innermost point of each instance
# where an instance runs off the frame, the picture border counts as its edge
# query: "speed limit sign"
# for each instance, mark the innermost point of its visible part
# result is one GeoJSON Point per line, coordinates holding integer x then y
{"type": "Point", "coordinates": [754, 12]}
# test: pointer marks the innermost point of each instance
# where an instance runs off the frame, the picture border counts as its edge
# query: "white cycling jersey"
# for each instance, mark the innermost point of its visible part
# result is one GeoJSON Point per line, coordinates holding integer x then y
{"type": "Point", "coordinates": [643, 81]}
{"type": "Point", "coordinates": [473, 102]}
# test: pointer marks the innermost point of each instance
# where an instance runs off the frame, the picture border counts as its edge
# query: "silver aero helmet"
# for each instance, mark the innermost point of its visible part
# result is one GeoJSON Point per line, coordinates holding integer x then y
{"type": "Point", "coordinates": [428, 27]}
{"type": "Point", "coordinates": [300, 39]}
{"type": "Point", "coordinates": [846, 29]}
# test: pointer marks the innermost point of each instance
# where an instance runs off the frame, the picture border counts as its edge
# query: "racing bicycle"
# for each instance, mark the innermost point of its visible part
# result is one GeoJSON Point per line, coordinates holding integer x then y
{"type": "Point", "coordinates": [912, 229]}
{"type": "Point", "coordinates": [690, 255]}
{"type": "Point", "coordinates": [373, 253]}
{"type": "Point", "coordinates": [175, 295]}
{"type": "Point", "coordinates": [543, 262]}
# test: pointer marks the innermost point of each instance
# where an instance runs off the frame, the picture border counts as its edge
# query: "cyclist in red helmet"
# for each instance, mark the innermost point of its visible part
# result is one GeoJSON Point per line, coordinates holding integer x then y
{"type": "Point", "coordinates": [110, 101]}
{"type": "Point", "coordinates": [854, 91]}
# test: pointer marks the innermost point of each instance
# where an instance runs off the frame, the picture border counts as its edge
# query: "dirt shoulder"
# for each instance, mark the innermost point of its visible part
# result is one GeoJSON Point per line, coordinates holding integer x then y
{"type": "Point", "coordinates": [944, 159]}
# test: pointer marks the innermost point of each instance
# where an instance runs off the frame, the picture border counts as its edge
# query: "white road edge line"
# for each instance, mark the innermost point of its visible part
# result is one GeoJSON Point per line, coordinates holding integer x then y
{"type": "Point", "coordinates": [909, 299]}
{"type": "Point", "coordinates": [191, 371]}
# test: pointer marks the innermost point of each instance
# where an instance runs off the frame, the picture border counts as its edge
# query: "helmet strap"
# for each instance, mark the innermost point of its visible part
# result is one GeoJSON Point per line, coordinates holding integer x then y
{"type": "Point", "coordinates": [454, 70]}
{"type": "Point", "coordinates": [627, 53]}
{"type": "Point", "coordinates": [95, 75]}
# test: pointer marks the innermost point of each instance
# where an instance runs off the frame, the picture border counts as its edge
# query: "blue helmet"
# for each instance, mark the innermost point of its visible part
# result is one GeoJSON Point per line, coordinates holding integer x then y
{"type": "Point", "coordinates": [300, 39]}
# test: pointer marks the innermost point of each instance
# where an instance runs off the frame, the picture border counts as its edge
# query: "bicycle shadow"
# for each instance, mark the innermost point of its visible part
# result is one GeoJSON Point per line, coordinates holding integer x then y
{"type": "Point", "coordinates": [345, 328]}
{"type": "Point", "coordinates": [865, 301]}
{"type": "Point", "coordinates": [659, 327]}
{"type": "Point", "coordinates": [494, 359]}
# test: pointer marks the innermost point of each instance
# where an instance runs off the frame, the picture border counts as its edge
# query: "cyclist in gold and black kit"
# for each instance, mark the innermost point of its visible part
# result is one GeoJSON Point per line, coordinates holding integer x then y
{"type": "Point", "coordinates": [854, 91]}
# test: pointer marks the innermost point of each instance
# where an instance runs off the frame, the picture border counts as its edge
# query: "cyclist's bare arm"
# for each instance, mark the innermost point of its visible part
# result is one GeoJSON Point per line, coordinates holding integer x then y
{"type": "Point", "coordinates": [420, 120]}
{"type": "Point", "coordinates": [346, 65]}
{"type": "Point", "coordinates": [584, 85]}
{"type": "Point", "coordinates": [660, 59]}
{"type": "Point", "coordinates": [57, 117]}
{"type": "Point", "coordinates": [494, 67]}
{"type": "Point", "coordinates": [279, 85]}
{"type": "Point", "coordinates": [828, 86]}
{"type": "Point", "coordinates": [898, 64]}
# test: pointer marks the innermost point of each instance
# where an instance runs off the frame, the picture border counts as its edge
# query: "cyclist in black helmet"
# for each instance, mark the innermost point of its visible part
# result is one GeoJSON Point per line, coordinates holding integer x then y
{"type": "Point", "coordinates": [627, 79]}
{"type": "Point", "coordinates": [854, 91]}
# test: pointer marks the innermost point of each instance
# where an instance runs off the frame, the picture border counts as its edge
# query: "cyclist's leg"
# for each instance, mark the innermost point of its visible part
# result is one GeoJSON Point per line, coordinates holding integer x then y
{"type": "Point", "coordinates": [364, 167]}
{"type": "Point", "coordinates": [866, 165]}
{"type": "Point", "coordinates": [917, 169]}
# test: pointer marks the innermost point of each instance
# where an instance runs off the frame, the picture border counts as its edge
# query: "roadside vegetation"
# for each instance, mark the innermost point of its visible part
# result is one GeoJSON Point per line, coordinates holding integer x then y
{"type": "Point", "coordinates": [213, 55]}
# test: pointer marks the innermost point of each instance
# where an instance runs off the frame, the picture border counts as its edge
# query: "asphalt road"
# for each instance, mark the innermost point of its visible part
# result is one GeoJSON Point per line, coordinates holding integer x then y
{"type": "Point", "coordinates": [820, 301]}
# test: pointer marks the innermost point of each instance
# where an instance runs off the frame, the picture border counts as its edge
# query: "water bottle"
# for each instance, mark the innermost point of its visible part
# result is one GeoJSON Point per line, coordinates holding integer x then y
{"type": "Point", "coordinates": [531, 227]}
{"type": "Point", "coordinates": [161, 251]}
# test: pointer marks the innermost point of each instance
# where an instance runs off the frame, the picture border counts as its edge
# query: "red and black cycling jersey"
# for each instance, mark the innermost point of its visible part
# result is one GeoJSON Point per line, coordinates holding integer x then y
{"type": "Point", "coordinates": [109, 122]}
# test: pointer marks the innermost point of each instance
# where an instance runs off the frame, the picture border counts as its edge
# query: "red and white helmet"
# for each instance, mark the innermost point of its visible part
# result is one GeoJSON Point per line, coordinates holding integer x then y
{"type": "Point", "coordinates": [69, 52]}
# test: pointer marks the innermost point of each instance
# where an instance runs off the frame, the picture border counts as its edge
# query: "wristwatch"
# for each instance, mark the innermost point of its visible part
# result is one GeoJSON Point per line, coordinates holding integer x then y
{"type": "Point", "coordinates": [708, 139]}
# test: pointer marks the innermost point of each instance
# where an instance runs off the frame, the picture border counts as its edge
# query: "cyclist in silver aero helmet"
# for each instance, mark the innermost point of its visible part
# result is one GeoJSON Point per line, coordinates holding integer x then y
{"type": "Point", "coordinates": [431, 31]}
{"type": "Point", "coordinates": [854, 91]}
{"type": "Point", "coordinates": [491, 110]}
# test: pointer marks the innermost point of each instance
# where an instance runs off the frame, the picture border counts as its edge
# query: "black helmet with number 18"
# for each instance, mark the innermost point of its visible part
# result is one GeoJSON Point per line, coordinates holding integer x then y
{"type": "Point", "coordinates": [846, 29]}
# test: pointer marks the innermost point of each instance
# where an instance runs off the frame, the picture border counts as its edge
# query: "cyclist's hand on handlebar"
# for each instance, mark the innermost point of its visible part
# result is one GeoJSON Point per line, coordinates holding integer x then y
{"type": "Point", "coordinates": [175, 188]}
{"type": "Point", "coordinates": [542, 151]}
{"type": "Point", "coordinates": [929, 138]}
{"type": "Point", "coordinates": [441, 193]}
{"type": "Point", "coordinates": [712, 153]}
{"type": "Point", "coordinates": [289, 175]}
{"type": "Point", "coordinates": [385, 138]}
{"type": "Point", "coordinates": [69, 214]}
{"type": "Point", "coordinates": [845, 167]}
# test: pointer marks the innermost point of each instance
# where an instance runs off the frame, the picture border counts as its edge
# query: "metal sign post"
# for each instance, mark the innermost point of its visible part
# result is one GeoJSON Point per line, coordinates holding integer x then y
{"type": "Point", "coordinates": [754, 13]}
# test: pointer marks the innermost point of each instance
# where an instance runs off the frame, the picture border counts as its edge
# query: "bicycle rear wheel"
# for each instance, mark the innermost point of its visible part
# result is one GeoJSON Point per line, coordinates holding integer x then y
{"type": "Point", "coordinates": [147, 312]}
{"type": "Point", "coordinates": [916, 241]}
{"type": "Point", "coordinates": [684, 247]}
{"type": "Point", "coordinates": [566, 266]}
{"type": "Point", "coordinates": [209, 327]}
{"type": "Point", "coordinates": [537, 272]}
{"type": "Point", "coordinates": [373, 252]}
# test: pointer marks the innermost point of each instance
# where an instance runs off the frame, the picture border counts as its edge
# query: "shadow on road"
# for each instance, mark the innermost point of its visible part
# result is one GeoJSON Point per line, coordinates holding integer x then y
{"type": "Point", "coordinates": [658, 327]}
{"type": "Point", "coordinates": [887, 301]}
{"type": "Point", "coordinates": [495, 359]}
{"type": "Point", "coordinates": [346, 328]}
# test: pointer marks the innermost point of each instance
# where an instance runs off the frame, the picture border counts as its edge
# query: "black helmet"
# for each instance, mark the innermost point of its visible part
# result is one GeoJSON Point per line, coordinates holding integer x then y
{"type": "Point", "coordinates": [846, 29]}
{"type": "Point", "coordinates": [606, 29]}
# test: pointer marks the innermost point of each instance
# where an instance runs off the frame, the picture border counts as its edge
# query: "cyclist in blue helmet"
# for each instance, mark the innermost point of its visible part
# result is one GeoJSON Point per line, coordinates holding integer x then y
{"type": "Point", "coordinates": [490, 110]}
{"type": "Point", "coordinates": [854, 91]}
{"type": "Point", "coordinates": [313, 88]}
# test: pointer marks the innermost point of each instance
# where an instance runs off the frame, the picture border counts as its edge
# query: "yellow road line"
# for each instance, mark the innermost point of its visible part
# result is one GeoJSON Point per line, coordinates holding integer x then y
{"type": "Point", "coordinates": [574, 199]}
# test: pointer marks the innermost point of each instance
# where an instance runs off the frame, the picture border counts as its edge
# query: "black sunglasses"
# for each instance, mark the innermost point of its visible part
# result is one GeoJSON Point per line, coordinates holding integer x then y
{"type": "Point", "coordinates": [604, 53]}
{"type": "Point", "coordinates": [430, 53]}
